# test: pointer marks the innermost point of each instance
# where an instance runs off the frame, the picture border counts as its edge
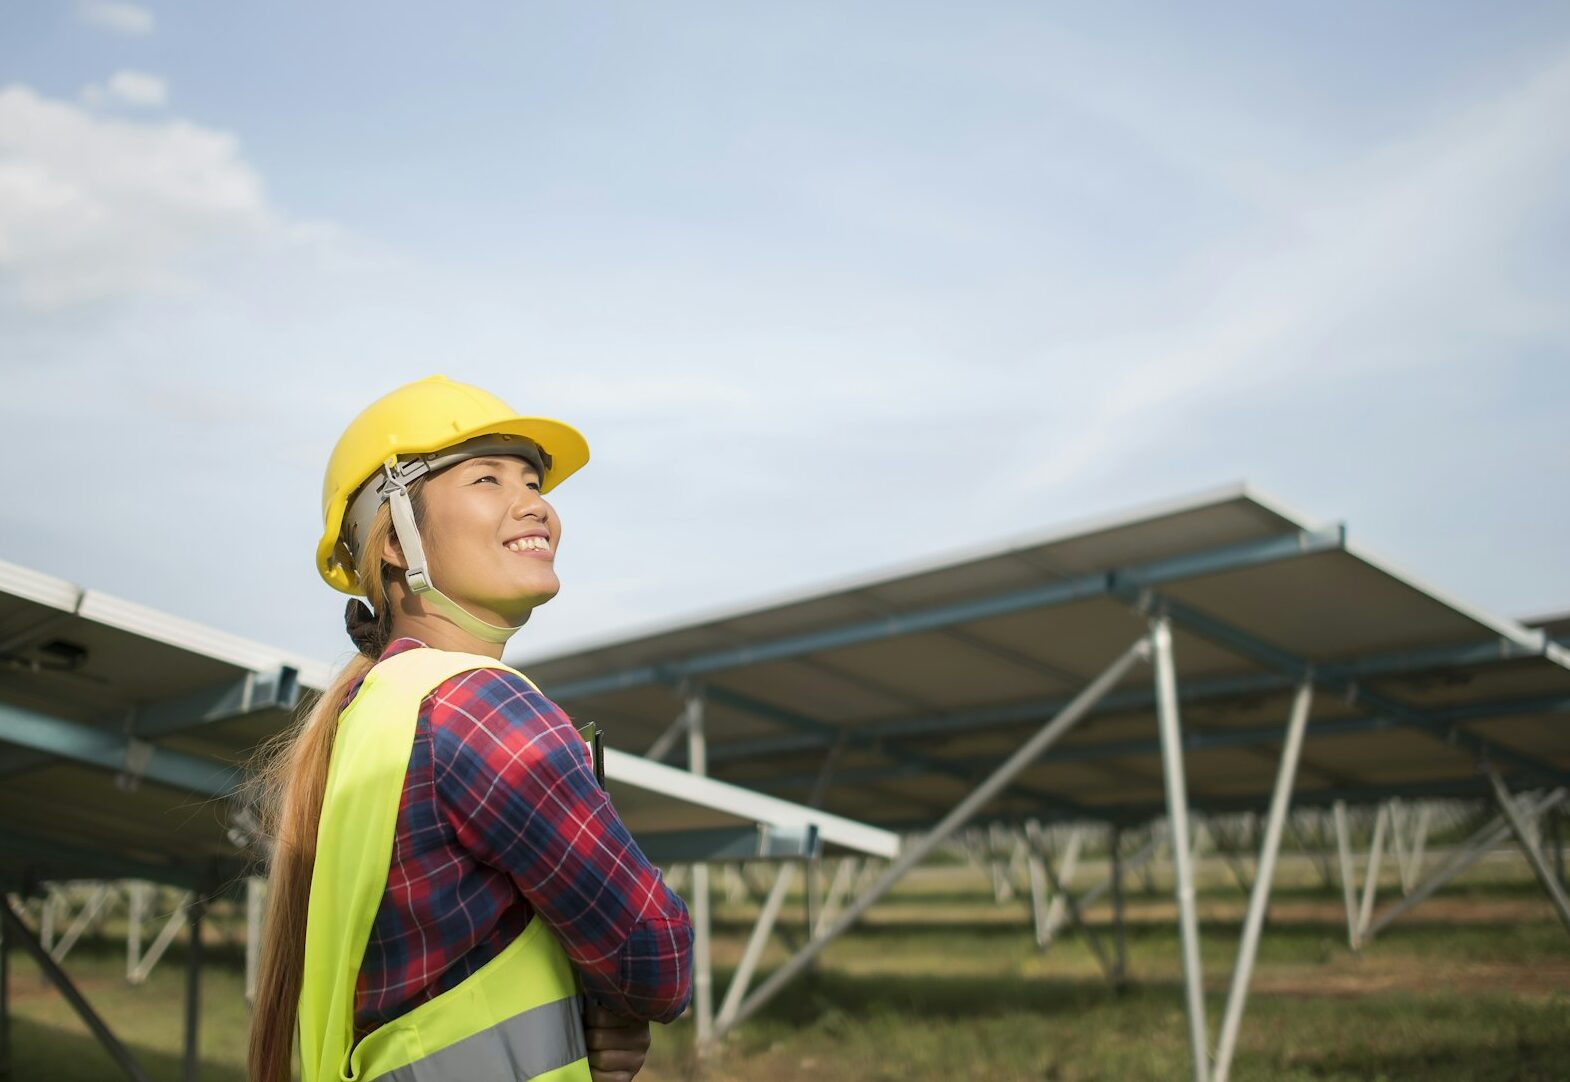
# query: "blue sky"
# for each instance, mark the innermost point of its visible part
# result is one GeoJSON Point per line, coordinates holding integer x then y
{"type": "Point", "coordinates": [827, 287]}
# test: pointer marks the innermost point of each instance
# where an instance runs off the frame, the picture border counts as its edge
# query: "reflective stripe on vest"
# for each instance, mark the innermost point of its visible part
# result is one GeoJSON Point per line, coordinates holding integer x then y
{"type": "Point", "coordinates": [515, 1018]}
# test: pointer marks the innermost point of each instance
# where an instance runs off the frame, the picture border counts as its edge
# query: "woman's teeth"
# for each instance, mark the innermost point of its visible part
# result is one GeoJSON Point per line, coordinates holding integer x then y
{"type": "Point", "coordinates": [526, 544]}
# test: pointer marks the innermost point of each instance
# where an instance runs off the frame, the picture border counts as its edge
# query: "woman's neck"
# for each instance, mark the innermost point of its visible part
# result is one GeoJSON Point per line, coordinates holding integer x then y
{"type": "Point", "coordinates": [412, 619]}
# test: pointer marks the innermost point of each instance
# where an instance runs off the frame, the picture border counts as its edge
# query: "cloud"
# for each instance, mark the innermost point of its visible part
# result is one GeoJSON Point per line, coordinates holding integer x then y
{"type": "Point", "coordinates": [134, 88]}
{"type": "Point", "coordinates": [117, 18]}
{"type": "Point", "coordinates": [95, 208]}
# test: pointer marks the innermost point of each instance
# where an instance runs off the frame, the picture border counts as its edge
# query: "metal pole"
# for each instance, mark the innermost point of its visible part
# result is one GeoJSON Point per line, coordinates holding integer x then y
{"type": "Point", "coordinates": [1556, 832]}
{"type": "Point", "coordinates": [1142, 857]}
{"type": "Point", "coordinates": [255, 896]}
{"type": "Point", "coordinates": [1147, 869]}
{"type": "Point", "coordinates": [1398, 847]}
{"type": "Point", "coordinates": [1475, 848]}
{"type": "Point", "coordinates": [1092, 940]}
{"type": "Point", "coordinates": [756, 945]}
{"type": "Point", "coordinates": [1002, 889]}
{"type": "Point", "coordinates": [1119, 944]}
{"type": "Point", "coordinates": [702, 969]}
{"type": "Point", "coordinates": [809, 899]}
{"type": "Point", "coordinates": [84, 918]}
{"type": "Point", "coordinates": [46, 920]}
{"type": "Point", "coordinates": [666, 740]}
{"type": "Point", "coordinates": [1259, 899]}
{"type": "Point", "coordinates": [1071, 852]}
{"type": "Point", "coordinates": [1534, 854]}
{"type": "Point", "coordinates": [1376, 850]}
{"type": "Point", "coordinates": [1038, 890]}
{"type": "Point", "coordinates": [1177, 817]}
{"type": "Point", "coordinates": [154, 953]}
{"type": "Point", "coordinates": [839, 887]}
{"type": "Point", "coordinates": [1314, 852]}
{"type": "Point", "coordinates": [978, 798]}
{"type": "Point", "coordinates": [193, 987]}
{"type": "Point", "coordinates": [1414, 864]}
{"type": "Point", "coordinates": [133, 932]}
{"type": "Point", "coordinates": [51, 970]}
{"type": "Point", "coordinates": [5, 1001]}
{"type": "Point", "coordinates": [1344, 845]}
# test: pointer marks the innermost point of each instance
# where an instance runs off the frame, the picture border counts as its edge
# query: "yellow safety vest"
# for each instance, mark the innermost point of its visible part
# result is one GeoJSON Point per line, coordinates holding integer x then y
{"type": "Point", "coordinates": [517, 1017]}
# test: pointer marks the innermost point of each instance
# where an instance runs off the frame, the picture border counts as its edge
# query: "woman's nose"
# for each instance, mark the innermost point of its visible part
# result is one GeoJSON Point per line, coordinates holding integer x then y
{"type": "Point", "coordinates": [531, 503]}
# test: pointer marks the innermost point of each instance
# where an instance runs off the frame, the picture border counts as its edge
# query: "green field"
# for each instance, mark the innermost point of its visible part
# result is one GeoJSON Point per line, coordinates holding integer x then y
{"type": "Point", "coordinates": [941, 982]}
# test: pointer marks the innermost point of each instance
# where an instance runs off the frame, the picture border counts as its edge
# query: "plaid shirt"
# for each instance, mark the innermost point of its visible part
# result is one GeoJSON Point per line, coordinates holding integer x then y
{"type": "Point", "coordinates": [501, 821]}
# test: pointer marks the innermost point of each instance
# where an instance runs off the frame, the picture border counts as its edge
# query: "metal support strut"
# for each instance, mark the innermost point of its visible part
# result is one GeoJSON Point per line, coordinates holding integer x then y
{"type": "Point", "coordinates": [15, 928]}
{"type": "Point", "coordinates": [1027, 754]}
{"type": "Point", "coordinates": [195, 912]}
{"type": "Point", "coordinates": [5, 1001]}
{"type": "Point", "coordinates": [1525, 838]}
{"type": "Point", "coordinates": [702, 969]}
{"type": "Point", "coordinates": [1177, 817]}
{"type": "Point", "coordinates": [1259, 899]}
{"type": "Point", "coordinates": [1471, 851]}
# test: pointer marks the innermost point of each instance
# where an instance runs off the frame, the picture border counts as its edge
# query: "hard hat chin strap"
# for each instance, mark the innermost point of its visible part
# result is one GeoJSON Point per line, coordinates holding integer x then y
{"type": "Point", "coordinates": [419, 576]}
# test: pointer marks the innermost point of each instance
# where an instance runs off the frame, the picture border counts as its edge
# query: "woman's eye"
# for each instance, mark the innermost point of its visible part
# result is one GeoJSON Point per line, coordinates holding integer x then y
{"type": "Point", "coordinates": [487, 477]}
{"type": "Point", "coordinates": [534, 485]}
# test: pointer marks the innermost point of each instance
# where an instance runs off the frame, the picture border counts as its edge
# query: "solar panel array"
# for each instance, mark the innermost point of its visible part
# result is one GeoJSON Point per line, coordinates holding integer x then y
{"type": "Point", "coordinates": [904, 689]}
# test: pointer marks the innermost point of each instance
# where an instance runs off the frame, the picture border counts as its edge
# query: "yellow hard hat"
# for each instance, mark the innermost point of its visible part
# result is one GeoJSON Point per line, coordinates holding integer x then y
{"type": "Point", "coordinates": [416, 420]}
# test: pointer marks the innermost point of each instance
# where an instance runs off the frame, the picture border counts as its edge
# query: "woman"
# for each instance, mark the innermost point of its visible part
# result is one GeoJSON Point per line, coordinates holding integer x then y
{"type": "Point", "coordinates": [445, 870]}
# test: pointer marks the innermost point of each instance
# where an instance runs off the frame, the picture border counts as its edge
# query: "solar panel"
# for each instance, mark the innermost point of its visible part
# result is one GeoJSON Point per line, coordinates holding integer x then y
{"type": "Point", "coordinates": [929, 675]}
{"type": "Point", "coordinates": [124, 731]}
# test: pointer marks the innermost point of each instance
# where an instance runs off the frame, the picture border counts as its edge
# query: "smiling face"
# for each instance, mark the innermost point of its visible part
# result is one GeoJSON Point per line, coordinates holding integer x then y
{"type": "Point", "coordinates": [490, 537]}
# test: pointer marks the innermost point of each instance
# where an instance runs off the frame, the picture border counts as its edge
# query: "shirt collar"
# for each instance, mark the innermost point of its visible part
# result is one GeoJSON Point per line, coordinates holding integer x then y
{"type": "Point", "coordinates": [401, 645]}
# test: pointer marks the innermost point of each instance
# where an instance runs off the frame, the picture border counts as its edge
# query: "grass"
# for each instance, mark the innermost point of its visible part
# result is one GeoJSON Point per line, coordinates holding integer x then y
{"type": "Point", "coordinates": [1474, 986]}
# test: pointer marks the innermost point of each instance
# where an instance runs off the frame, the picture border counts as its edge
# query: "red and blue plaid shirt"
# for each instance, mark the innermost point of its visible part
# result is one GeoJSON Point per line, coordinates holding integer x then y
{"type": "Point", "coordinates": [501, 821]}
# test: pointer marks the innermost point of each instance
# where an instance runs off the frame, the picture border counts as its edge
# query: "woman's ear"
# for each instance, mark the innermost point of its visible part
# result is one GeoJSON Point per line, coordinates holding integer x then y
{"type": "Point", "coordinates": [392, 552]}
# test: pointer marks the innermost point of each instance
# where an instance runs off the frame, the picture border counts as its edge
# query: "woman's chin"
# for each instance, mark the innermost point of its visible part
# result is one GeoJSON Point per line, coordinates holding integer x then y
{"type": "Point", "coordinates": [516, 612]}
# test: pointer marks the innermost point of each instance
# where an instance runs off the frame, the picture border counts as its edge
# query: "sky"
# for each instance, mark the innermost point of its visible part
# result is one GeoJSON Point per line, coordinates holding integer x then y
{"type": "Point", "coordinates": [827, 287]}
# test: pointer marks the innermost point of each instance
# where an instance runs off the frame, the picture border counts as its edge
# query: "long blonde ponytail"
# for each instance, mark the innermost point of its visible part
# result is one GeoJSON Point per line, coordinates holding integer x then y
{"type": "Point", "coordinates": [285, 792]}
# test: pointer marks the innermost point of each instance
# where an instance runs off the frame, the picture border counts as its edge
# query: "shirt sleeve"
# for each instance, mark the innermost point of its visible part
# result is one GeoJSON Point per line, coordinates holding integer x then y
{"type": "Point", "coordinates": [517, 784]}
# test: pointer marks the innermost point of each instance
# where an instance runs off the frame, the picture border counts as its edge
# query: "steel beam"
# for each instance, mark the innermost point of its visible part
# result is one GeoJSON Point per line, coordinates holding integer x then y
{"type": "Point", "coordinates": [84, 919]}
{"type": "Point", "coordinates": [839, 887]}
{"type": "Point", "coordinates": [715, 845]}
{"type": "Point", "coordinates": [255, 900]}
{"type": "Point", "coordinates": [1475, 848]}
{"type": "Point", "coordinates": [47, 858]}
{"type": "Point", "coordinates": [1177, 818]}
{"type": "Point", "coordinates": [171, 928]}
{"type": "Point", "coordinates": [1076, 588]}
{"type": "Point", "coordinates": [251, 693]}
{"type": "Point", "coordinates": [1253, 647]}
{"type": "Point", "coordinates": [15, 929]}
{"type": "Point", "coordinates": [1193, 740]}
{"type": "Point", "coordinates": [1038, 893]}
{"type": "Point", "coordinates": [914, 763]}
{"type": "Point", "coordinates": [1376, 852]}
{"type": "Point", "coordinates": [1526, 838]}
{"type": "Point", "coordinates": [667, 740]}
{"type": "Point", "coordinates": [1115, 879]}
{"type": "Point", "coordinates": [702, 969]}
{"type": "Point", "coordinates": [1057, 907]}
{"type": "Point", "coordinates": [1088, 934]}
{"type": "Point", "coordinates": [5, 1000]}
{"type": "Point", "coordinates": [741, 980]}
{"type": "Point", "coordinates": [912, 855]}
{"type": "Point", "coordinates": [1259, 898]}
{"type": "Point", "coordinates": [193, 990]}
{"type": "Point", "coordinates": [87, 744]}
{"type": "Point", "coordinates": [1348, 889]}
